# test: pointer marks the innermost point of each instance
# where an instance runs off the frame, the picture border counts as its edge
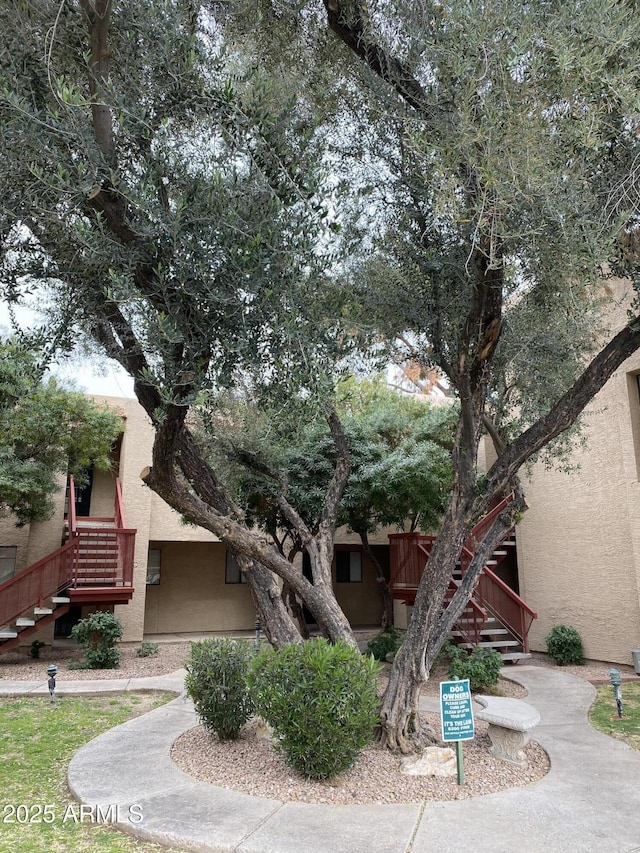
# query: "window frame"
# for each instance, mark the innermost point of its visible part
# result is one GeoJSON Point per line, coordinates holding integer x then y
{"type": "Point", "coordinates": [232, 572]}
{"type": "Point", "coordinates": [154, 572]}
{"type": "Point", "coordinates": [11, 560]}
{"type": "Point", "coordinates": [355, 574]}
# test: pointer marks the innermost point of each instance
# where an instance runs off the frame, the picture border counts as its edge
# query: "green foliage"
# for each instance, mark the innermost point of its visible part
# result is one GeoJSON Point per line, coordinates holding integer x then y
{"type": "Point", "coordinates": [400, 457]}
{"type": "Point", "coordinates": [482, 667]}
{"type": "Point", "coordinates": [34, 651]}
{"type": "Point", "coordinates": [98, 634]}
{"type": "Point", "coordinates": [217, 682]}
{"type": "Point", "coordinates": [147, 649]}
{"type": "Point", "coordinates": [321, 701]}
{"type": "Point", "coordinates": [387, 642]}
{"type": "Point", "coordinates": [46, 431]}
{"type": "Point", "coordinates": [564, 644]}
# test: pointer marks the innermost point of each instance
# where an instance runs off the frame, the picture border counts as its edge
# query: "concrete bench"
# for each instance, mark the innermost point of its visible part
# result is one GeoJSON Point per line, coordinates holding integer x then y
{"type": "Point", "coordinates": [510, 722]}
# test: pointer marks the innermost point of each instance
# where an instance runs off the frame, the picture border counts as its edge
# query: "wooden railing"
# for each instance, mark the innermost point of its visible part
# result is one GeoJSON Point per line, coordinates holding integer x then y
{"type": "Point", "coordinates": [492, 592]}
{"type": "Point", "coordinates": [118, 510]}
{"type": "Point", "coordinates": [117, 542]}
{"type": "Point", "coordinates": [409, 553]}
{"type": "Point", "coordinates": [35, 584]}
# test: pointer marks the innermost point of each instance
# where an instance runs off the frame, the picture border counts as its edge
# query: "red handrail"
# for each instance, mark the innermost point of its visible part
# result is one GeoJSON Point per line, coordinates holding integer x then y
{"type": "Point", "coordinates": [408, 556]}
{"type": "Point", "coordinates": [33, 585]}
{"type": "Point", "coordinates": [119, 506]}
{"type": "Point", "coordinates": [73, 522]}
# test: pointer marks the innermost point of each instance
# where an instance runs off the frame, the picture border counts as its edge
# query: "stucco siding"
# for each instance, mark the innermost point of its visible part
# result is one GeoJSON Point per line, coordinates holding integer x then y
{"type": "Point", "coordinates": [192, 594]}
{"type": "Point", "coordinates": [578, 544]}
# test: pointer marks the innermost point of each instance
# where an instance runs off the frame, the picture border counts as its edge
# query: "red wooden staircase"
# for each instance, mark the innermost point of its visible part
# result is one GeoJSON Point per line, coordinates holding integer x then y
{"type": "Point", "coordinates": [94, 566]}
{"type": "Point", "coordinates": [496, 617]}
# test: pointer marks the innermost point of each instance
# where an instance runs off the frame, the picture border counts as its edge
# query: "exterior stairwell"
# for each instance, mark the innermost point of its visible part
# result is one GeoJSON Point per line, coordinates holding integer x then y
{"type": "Point", "coordinates": [94, 566]}
{"type": "Point", "coordinates": [495, 617]}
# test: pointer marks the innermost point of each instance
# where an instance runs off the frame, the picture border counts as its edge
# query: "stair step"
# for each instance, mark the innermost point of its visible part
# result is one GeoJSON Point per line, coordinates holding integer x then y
{"type": "Point", "coordinates": [6, 634]}
{"type": "Point", "coordinates": [500, 553]}
{"type": "Point", "coordinates": [60, 599]}
{"type": "Point", "coordinates": [24, 622]}
{"type": "Point", "coordinates": [486, 632]}
{"type": "Point", "coordinates": [516, 656]}
{"type": "Point", "coordinates": [494, 644]}
{"type": "Point", "coordinates": [42, 611]}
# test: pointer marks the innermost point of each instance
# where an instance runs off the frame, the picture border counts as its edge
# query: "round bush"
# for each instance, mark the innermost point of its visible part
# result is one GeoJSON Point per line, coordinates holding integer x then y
{"type": "Point", "coordinates": [564, 645]}
{"type": "Point", "coordinates": [482, 667]}
{"type": "Point", "coordinates": [217, 682]}
{"type": "Point", "coordinates": [387, 642]}
{"type": "Point", "coordinates": [321, 701]}
{"type": "Point", "coordinates": [98, 634]}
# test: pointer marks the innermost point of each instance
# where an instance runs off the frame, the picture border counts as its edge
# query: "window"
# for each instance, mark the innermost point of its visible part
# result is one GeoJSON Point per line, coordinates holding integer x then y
{"type": "Point", "coordinates": [348, 567]}
{"type": "Point", "coordinates": [153, 566]}
{"type": "Point", "coordinates": [633, 380]}
{"type": "Point", "coordinates": [232, 573]}
{"type": "Point", "coordinates": [8, 555]}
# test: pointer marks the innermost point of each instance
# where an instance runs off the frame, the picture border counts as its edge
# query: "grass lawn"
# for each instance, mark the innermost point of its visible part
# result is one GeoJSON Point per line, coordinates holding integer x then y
{"type": "Point", "coordinates": [37, 741]}
{"type": "Point", "coordinates": [604, 716]}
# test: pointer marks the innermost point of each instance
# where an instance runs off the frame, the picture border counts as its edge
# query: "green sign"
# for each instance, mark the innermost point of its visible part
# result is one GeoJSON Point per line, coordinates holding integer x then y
{"type": "Point", "coordinates": [456, 710]}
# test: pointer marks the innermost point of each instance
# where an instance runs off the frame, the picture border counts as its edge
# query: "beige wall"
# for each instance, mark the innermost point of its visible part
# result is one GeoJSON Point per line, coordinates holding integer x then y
{"type": "Point", "coordinates": [579, 542]}
{"type": "Point", "coordinates": [361, 602]}
{"type": "Point", "coordinates": [192, 594]}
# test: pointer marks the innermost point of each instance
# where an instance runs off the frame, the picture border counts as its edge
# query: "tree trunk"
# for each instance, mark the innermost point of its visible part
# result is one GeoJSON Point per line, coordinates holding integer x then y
{"type": "Point", "coordinates": [297, 611]}
{"type": "Point", "coordinates": [399, 722]}
{"type": "Point", "coordinates": [328, 614]}
{"type": "Point", "coordinates": [275, 619]}
{"type": "Point", "coordinates": [383, 583]}
{"type": "Point", "coordinates": [431, 625]}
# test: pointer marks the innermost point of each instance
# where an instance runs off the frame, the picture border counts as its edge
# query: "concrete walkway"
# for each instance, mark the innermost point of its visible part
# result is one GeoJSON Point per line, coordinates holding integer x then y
{"type": "Point", "coordinates": [588, 803]}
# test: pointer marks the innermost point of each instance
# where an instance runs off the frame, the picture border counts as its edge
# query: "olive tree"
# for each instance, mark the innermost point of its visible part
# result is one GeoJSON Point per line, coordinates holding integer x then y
{"type": "Point", "coordinates": [511, 142]}
{"type": "Point", "coordinates": [169, 204]}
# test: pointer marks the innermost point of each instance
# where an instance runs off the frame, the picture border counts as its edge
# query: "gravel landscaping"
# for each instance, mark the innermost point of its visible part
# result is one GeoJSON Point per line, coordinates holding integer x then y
{"type": "Point", "coordinates": [252, 764]}
{"type": "Point", "coordinates": [18, 666]}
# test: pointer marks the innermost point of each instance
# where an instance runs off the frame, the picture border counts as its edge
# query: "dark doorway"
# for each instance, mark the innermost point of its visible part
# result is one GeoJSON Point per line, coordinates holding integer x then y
{"type": "Point", "coordinates": [83, 496]}
{"type": "Point", "coordinates": [63, 625]}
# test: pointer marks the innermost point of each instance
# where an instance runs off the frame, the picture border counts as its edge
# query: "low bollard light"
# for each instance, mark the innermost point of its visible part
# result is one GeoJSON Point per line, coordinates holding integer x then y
{"type": "Point", "coordinates": [52, 669]}
{"type": "Point", "coordinates": [616, 681]}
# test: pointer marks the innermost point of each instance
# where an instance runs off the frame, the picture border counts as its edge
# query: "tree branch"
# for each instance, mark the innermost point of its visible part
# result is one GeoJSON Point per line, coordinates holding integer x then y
{"type": "Point", "coordinates": [568, 408]}
{"type": "Point", "coordinates": [98, 13]}
{"type": "Point", "coordinates": [349, 25]}
{"type": "Point", "coordinates": [337, 485]}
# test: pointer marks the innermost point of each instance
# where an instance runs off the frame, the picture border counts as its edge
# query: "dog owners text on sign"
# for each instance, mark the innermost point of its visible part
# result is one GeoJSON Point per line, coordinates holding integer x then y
{"type": "Point", "coordinates": [456, 710]}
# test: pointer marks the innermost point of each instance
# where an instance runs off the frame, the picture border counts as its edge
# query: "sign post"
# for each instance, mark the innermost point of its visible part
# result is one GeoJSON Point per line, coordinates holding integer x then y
{"type": "Point", "coordinates": [456, 713]}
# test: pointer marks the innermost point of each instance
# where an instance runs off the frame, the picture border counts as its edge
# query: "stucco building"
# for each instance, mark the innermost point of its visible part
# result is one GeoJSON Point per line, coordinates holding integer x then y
{"type": "Point", "coordinates": [578, 545]}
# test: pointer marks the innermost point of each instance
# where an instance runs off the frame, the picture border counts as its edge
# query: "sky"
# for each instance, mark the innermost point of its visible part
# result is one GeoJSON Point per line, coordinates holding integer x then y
{"type": "Point", "coordinates": [96, 376]}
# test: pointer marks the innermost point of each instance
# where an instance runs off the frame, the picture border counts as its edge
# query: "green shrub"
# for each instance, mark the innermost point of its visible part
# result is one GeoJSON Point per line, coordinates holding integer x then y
{"type": "Point", "coordinates": [387, 642]}
{"type": "Point", "coordinates": [482, 667]}
{"type": "Point", "coordinates": [147, 649]}
{"type": "Point", "coordinates": [34, 651]}
{"type": "Point", "coordinates": [320, 700]}
{"type": "Point", "coordinates": [564, 644]}
{"type": "Point", "coordinates": [217, 682]}
{"type": "Point", "coordinates": [98, 635]}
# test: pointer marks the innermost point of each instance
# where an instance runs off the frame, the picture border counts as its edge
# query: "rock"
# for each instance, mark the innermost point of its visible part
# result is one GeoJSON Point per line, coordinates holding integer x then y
{"type": "Point", "coordinates": [264, 730]}
{"type": "Point", "coordinates": [434, 761]}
